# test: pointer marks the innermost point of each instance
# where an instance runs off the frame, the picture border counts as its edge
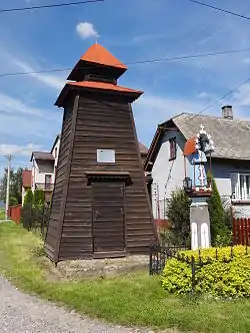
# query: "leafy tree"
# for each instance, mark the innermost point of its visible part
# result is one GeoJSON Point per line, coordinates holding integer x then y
{"type": "Point", "coordinates": [13, 201]}
{"type": "Point", "coordinates": [15, 185]}
{"type": "Point", "coordinates": [219, 219]}
{"type": "Point", "coordinates": [28, 199]}
{"type": "Point", "coordinates": [39, 197]}
{"type": "Point", "coordinates": [178, 213]}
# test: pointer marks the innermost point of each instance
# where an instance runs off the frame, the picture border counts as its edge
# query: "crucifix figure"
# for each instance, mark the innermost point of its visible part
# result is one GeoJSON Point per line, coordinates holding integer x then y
{"type": "Point", "coordinates": [196, 150]}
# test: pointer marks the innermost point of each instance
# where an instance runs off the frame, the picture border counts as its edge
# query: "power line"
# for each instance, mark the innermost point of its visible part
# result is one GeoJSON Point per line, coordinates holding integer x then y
{"type": "Point", "coordinates": [139, 62]}
{"type": "Point", "coordinates": [19, 9]}
{"type": "Point", "coordinates": [220, 9]}
{"type": "Point", "coordinates": [221, 98]}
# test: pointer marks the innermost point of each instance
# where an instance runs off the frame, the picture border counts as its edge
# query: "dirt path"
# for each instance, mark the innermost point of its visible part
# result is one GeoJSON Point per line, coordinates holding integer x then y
{"type": "Point", "coordinates": [21, 313]}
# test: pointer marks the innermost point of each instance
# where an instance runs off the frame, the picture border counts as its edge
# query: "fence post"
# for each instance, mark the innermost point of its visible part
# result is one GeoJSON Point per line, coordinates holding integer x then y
{"type": "Point", "coordinates": [193, 273]}
{"type": "Point", "coordinates": [150, 260]}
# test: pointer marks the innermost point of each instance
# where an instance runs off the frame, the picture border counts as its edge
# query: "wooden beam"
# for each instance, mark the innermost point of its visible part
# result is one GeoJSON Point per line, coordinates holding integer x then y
{"type": "Point", "coordinates": [67, 174]}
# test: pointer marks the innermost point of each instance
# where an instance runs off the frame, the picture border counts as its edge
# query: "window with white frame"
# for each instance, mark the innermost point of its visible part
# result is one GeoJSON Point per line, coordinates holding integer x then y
{"type": "Point", "coordinates": [240, 184]}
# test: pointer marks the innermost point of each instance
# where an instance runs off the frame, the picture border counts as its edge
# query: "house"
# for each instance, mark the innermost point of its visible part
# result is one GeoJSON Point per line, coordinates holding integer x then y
{"type": "Point", "coordinates": [164, 164]}
{"type": "Point", "coordinates": [42, 172]}
{"type": "Point", "coordinates": [100, 206]}
{"type": "Point", "coordinates": [26, 182]}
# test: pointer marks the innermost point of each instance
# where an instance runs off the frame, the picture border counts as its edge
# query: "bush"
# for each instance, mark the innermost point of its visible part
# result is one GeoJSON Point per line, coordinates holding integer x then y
{"type": "Point", "coordinates": [220, 233]}
{"type": "Point", "coordinates": [39, 198]}
{"type": "Point", "coordinates": [28, 199]}
{"type": "Point", "coordinates": [220, 277]}
{"type": "Point", "coordinates": [178, 213]}
{"type": "Point", "coordinates": [13, 201]}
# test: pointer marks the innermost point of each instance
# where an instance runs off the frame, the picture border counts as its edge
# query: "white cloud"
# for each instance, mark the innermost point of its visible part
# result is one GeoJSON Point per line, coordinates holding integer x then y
{"type": "Point", "coordinates": [49, 80]}
{"type": "Point", "coordinates": [9, 104]}
{"type": "Point", "coordinates": [14, 106]}
{"type": "Point", "coordinates": [18, 150]}
{"type": "Point", "coordinates": [86, 30]}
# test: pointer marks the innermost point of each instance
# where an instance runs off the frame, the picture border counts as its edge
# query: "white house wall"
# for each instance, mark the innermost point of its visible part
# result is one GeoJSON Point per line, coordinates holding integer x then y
{"type": "Point", "coordinates": [167, 175]}
{"type": "Point", "coordinates": [221, 172]}
{"type": "Point", "coordinates": [39, 170]}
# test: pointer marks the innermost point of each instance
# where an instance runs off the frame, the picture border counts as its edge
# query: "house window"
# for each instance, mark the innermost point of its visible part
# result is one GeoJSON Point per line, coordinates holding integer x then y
{"type": "Point", "coordinates": [172, 146]}
{"type": "Point", "coordinates": [240, 184]}
{"type": "Point", "coordinates": [48, 179]}
{"type": "Point", "coordinates": [55, 152]}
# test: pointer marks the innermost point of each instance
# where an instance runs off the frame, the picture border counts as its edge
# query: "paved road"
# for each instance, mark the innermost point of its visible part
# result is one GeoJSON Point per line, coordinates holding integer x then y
{"type": "Point", "coordinates": [21, 313]}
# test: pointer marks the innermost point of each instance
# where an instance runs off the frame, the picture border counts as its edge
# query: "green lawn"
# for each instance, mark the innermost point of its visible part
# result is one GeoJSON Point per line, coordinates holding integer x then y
{"type": "Point", "coordinates": [2, 214]}
{"type": "Point", "coordinates": [132, 299]}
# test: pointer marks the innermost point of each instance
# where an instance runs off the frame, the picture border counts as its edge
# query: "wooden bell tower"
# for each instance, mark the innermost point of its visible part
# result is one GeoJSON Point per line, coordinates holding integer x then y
{"type": "Point", "coordinates": [100, 207]}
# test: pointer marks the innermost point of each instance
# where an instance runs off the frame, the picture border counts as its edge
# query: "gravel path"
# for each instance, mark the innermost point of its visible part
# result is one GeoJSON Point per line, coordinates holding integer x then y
{"type": "Point", "coordinates": [21, 313]}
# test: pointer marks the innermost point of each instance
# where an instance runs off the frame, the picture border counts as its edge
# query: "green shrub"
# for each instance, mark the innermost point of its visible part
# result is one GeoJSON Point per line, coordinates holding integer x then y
{"type": "Point", "coordinates": [178, 213]}
{"type": "Point", "coordinates": [220, 276]}
{"type": "Point", "coordinates": [13, 201]}
{"type": "Point", "coordinates": [39, 197]}
{"type": "Point", "coordinates": [28, 199]}
{"type": "Point", "coordinates": [218, 217]}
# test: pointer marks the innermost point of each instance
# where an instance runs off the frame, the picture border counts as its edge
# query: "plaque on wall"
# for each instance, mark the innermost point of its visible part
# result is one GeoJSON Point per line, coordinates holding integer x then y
{"type": "Point", "coordinates": [105, 155]}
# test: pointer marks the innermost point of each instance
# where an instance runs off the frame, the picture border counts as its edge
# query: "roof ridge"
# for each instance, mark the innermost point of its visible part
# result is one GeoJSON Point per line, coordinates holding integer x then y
{"type": "Point", "coordinates": [212, 116]}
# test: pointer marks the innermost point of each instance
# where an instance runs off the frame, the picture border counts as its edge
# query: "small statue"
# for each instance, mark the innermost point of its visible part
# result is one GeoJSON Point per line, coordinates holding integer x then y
{"type": "Point", "coordinates": [197, 187]}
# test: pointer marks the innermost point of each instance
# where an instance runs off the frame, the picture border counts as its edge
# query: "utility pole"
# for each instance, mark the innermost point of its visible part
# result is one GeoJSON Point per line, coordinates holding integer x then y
{"type": "Point", "coordinates": [9, 158]}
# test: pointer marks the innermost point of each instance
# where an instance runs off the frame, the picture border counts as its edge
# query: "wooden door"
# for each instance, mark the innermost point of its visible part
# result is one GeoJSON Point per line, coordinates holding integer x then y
{"type": "Point", "coordinates": [108, 217]}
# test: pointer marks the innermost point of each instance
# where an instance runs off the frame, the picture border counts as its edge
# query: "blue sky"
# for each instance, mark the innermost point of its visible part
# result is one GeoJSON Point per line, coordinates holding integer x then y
{"type": "Point", "coordinates": [132, 30]}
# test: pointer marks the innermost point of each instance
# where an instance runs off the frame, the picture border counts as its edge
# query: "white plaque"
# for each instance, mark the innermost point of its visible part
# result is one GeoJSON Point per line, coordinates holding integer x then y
{"type": "Point", "coordinates": [105, 155]}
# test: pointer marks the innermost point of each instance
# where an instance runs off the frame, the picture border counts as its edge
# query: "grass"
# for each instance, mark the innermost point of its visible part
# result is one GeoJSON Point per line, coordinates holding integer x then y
{"type": "Point", "coordinates": [129, 300]}
{"type": "Point", "coordinates": [2, 214]}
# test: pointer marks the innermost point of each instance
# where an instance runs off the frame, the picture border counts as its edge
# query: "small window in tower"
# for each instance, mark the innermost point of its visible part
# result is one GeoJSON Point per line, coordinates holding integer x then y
{"type": "Point", "coordinates": [105, 155]}
{"type": "Point", "coordinates": [172, 146]}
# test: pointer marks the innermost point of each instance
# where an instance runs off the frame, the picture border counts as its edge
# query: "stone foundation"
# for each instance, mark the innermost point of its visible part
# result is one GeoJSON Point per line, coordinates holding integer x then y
{"type": "Point", "coordinates": [102, 267]}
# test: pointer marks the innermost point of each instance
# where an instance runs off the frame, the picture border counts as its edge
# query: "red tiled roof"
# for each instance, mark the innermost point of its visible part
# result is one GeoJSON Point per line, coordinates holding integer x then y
{"type": "Point", "coordinates": [99, 54]}
{"type": "Point", "coordinates": [27, 178]}
{"type": "Point", "coordinates": [104, 85]}
{"type": "Point", "coordinates": [97, 86]}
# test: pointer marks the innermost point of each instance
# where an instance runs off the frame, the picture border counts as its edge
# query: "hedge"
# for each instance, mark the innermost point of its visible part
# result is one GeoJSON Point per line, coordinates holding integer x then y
{"type": "Point", "coordinates": [220, 274]}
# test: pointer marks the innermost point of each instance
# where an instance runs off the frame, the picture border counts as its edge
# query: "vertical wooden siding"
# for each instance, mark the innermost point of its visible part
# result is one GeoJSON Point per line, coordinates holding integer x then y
{"type": "Point", "coordinates": [101, 123]}
{"type": "Point", "coordinates": [241, 231]}
{"type": "Point", "coordinates": [58, 188]}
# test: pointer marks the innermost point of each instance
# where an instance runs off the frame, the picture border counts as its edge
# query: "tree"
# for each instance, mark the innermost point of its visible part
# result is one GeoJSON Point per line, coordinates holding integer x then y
{"type": "Point", "coordinates": [15, 185]}
{"type": "Point", "coordinates": [218, 215]}
{"type": "Point", "coordinates": [13, 201]}
{"type": "Point", "coordinates": [178, 213]}
{"type": "Point", "coordinates": [28, 199]}
{"type": "Point", "coordinates": [39, 197]}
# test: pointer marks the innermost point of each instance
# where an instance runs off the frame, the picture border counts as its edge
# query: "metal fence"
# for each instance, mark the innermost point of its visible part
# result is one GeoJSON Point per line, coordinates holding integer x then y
{"type": "Point", "coordinates": [160, 254]}
{"type": "Point", "coordinates": [35, 218]}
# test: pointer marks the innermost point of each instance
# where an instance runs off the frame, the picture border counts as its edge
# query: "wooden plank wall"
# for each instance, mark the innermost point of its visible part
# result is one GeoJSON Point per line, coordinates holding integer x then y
{"type": "Point", "coordinates": [241, 231]}
{"type": "Point", "coordinates": [101, 123]}
{"type": "Point", "coordinates": [104, 124]}
{"type": "Point", "coordinates": [53, 226]}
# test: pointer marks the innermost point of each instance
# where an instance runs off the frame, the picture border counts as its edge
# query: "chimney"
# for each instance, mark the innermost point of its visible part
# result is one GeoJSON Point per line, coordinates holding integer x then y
{"type": "Point", "coordinates": [227, 112]}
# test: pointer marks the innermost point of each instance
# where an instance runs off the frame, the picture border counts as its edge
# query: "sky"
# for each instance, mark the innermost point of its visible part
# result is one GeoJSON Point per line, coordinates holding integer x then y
{"type": "Point", "coordinates": [132, 30]}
